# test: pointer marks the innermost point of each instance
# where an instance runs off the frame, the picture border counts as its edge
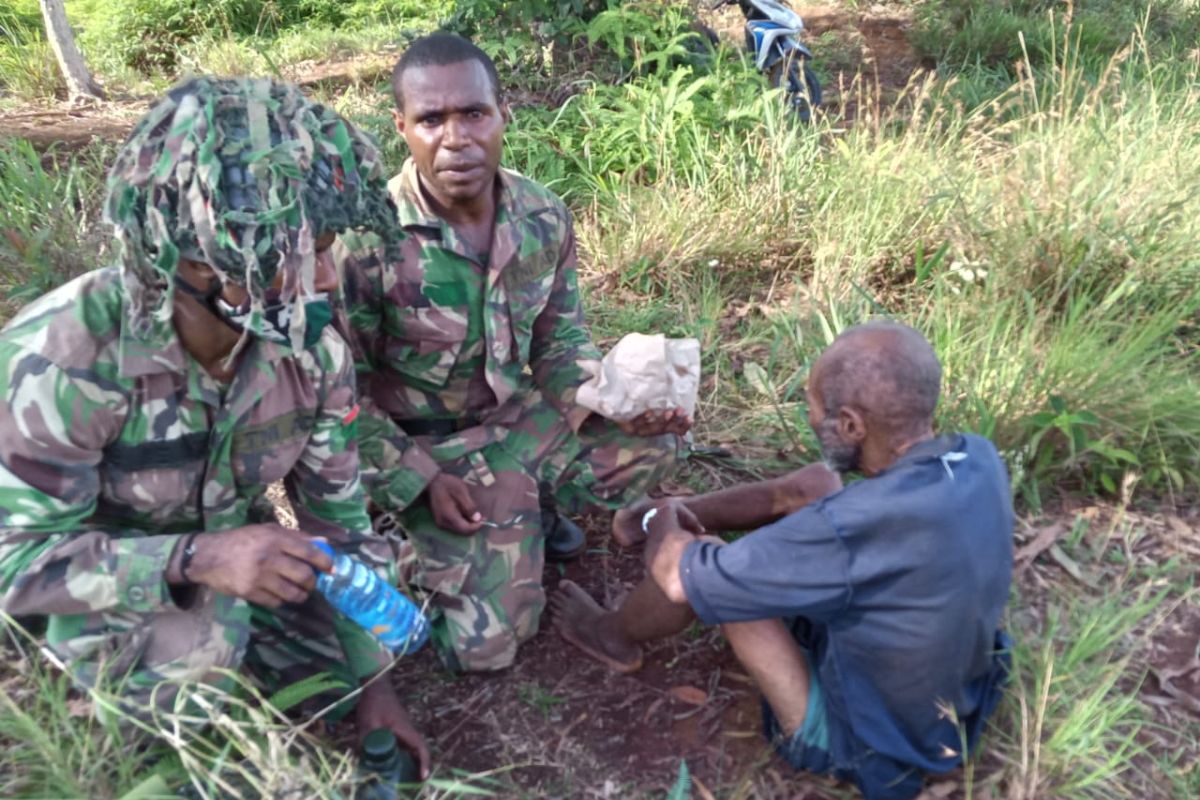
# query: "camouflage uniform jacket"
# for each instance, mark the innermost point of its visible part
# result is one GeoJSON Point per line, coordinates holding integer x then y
{"type": "Point", "coordinates": [113, 446]}
{"type": "Point", "coordinates": [434, 328]}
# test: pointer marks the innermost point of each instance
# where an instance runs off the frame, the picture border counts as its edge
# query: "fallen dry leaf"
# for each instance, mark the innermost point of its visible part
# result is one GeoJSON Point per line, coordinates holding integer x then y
{"type": "Point", "coordinates": [689, 694]}
{"type": "Point", "coordinates": [739, 677]}
{"type": "Point", "coordinates": [1045, 539]}
{"type": "Point", "coordinates": [79, 707]}
{"type": "Point", "coordinates": [1181, 698]}
{"type": "Point", "coordinates": [705, 794]}
{"type": "Point", "coordinates": [1071, 566]}
{"type": "Point", "coordinates": [1178, 672]}
{"type": "Point", "coordinates": [1180, 527]}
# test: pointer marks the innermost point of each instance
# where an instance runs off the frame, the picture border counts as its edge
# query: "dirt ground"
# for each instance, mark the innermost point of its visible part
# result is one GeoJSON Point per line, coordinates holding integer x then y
{"type": "Point", "coordinates": [869, 40]}
{"type": "Point", "coordinates": [559, 725]}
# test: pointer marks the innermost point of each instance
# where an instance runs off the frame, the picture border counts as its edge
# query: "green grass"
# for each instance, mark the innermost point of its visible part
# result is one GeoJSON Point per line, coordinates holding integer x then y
{"type": "Point", "coordinates": [1071, 725]}
{"type": "Point", "coordinates": [1048, 255]}
{"type": "Point", "coordinates": [986, 44]}
{"type": "Point", "coordinates": [539, 699]}
{"type": "Point", "coordinates": [965, 33]}
{"type": "Point", "coordinates": [223, 745]}
{"type": "Point", "coordinates": [27, 66]}
{"type": "Point", "coordinates": [156, 36]}
{"type": "Point", "coordinates": [1072, 717]}
{"type": "Point", "coordinates": [49, 219]}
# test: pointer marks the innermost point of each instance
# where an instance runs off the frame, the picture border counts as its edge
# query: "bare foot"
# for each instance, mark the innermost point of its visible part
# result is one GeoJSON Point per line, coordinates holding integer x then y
{"type": "Point", "coordinates": [578, 619]}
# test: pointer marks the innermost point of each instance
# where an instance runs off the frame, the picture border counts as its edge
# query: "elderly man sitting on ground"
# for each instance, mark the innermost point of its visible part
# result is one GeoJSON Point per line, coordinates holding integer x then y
{"type": "Point", "coordinates": [868, 615]}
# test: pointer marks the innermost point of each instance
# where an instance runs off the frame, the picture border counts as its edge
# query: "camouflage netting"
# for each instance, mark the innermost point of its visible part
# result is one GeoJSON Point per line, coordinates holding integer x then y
{"type": "Point", "coordinates": [243, 175]}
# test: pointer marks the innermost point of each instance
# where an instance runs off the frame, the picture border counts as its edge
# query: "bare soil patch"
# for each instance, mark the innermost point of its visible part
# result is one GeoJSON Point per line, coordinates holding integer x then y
{"type": "Point", "coordinates": [558, 724]}
{"type": "Point", "coordinates": [886, 54]}
{"type": "Point", "coordinates": [871, 41]}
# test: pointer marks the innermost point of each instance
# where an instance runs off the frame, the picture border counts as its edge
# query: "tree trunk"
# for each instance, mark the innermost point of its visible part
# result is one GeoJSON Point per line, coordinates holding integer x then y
{"type": "Point", "coordinates": [70, 60]}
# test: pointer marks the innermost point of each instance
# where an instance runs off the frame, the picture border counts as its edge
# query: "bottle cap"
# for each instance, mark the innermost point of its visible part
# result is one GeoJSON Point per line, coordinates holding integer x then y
{"type": "Point", "coordinates": [379, 745]}
{"type": "Point", "coordinates": [324, 547]}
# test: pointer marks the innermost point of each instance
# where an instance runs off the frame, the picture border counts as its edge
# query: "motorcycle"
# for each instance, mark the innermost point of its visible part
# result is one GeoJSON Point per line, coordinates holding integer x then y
{"type": "Point", "coordinates": [773, 36]}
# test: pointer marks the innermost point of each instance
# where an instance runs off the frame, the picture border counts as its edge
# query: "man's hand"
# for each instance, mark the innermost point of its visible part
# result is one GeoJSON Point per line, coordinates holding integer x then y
{"type": "Point", "coordinates": [452, 506]}
{"type": "Point", "coordinates": [670, 531]}
{"type": "Point", "coordinates": [266, 564]}
{"type": "Point", "coordinates": [656, 423]}
{"type": "Point", "coordinates": [807, 485]}
{"type": "Point", "coordinates": [379, 707]}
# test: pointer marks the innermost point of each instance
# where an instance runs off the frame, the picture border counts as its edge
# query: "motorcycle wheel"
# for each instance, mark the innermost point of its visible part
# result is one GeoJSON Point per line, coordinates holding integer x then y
{"type": "Point", "coordinates": [803, 86]}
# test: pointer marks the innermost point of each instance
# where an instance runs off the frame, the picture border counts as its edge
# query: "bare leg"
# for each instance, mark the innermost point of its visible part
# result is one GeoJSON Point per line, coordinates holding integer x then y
{"type": "Point", "coordinates": [615, 637]}
{"type": "Point", "coordinates": [776, 663]}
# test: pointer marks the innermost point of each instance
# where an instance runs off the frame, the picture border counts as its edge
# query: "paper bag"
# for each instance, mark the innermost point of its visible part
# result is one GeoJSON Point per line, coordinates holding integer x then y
{"type": "Point", "coordinates": [643, 373]}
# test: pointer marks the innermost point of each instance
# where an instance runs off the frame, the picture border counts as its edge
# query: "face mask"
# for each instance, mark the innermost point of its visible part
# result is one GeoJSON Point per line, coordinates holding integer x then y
{"type": "Point", "coordinates": [277, 319]}
{"type": "Point", "coordinates": [275, 325]}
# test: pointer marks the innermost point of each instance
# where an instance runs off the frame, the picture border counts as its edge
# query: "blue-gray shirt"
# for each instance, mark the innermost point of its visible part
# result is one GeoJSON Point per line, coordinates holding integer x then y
{"type": "Point", "coordinates": [902, 579]}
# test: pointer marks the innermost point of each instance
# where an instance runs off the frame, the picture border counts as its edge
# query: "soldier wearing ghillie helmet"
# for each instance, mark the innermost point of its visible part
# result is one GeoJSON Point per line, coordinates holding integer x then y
{"type": "Point", "coordinates": [145, 408]}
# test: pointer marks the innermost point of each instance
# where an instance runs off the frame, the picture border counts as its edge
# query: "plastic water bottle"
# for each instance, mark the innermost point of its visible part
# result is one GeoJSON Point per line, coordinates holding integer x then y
{"type": "Point", "coordinates": [357, 591]}
{"type": "Point", "coordinates": [384, 767]}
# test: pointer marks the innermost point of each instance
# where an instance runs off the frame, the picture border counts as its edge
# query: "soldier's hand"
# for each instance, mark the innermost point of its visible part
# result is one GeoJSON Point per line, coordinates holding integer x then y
{"type": "Point", "coordinates": [656, 423]}
{"type": "Point", "coordinates": [266, 564]}
{"type": "Point", "coordinates": [452, 506]}
{"type": "Point", "coordinates": [380, 707]}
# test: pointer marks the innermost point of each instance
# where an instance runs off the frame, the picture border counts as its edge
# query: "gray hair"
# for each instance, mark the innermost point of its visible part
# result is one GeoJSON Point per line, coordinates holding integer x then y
{"type": "Point", "coordinates": [887, 369]}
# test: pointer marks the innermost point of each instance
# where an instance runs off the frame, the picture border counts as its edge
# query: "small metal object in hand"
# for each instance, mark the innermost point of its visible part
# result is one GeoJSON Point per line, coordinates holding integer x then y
{"type": "Point", "coordinates": [649, 515]}
{"type": "Point", "coordinates": [511, 523]}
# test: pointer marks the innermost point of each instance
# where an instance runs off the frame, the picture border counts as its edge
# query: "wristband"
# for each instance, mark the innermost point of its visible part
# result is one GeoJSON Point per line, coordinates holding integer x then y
{"type": "Point", "coordinates": [649, 515]}
{"type": "Point", "coordinates": [189, 550]}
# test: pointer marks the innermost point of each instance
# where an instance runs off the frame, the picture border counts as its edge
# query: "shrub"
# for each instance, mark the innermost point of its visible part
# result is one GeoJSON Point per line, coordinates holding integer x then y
{"type": "Point", "coordinates": [149, 34]}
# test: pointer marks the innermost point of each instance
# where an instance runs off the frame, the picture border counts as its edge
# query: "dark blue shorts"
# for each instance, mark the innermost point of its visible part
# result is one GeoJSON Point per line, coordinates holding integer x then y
{"type": "Point", "coordinates": [807, 749]}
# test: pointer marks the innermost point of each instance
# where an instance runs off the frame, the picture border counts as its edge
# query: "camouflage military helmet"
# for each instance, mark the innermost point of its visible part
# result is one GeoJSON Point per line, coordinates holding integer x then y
{"type": "Point", "coordinates": [243, 175]}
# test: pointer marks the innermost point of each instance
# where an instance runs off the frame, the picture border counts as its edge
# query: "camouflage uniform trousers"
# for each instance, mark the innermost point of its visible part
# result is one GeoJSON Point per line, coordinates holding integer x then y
{"type": "Point", "coordinates": [144, 659]}
{"type": "Point", "coordinates": [485, 590]}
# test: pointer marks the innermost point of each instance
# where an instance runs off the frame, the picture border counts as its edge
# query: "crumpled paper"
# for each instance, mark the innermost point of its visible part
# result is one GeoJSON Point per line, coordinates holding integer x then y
{"type": "Point", "coordinates": [643, 373]}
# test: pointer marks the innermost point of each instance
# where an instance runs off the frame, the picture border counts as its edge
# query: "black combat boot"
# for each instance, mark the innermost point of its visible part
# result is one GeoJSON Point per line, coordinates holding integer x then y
{"type": "Point", "coordinates": [564, 539]}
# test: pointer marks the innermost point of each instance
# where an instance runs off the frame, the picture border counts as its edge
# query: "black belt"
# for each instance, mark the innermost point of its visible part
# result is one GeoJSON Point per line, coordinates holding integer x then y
{"type": "Point", "coordinates": [435, 427]}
